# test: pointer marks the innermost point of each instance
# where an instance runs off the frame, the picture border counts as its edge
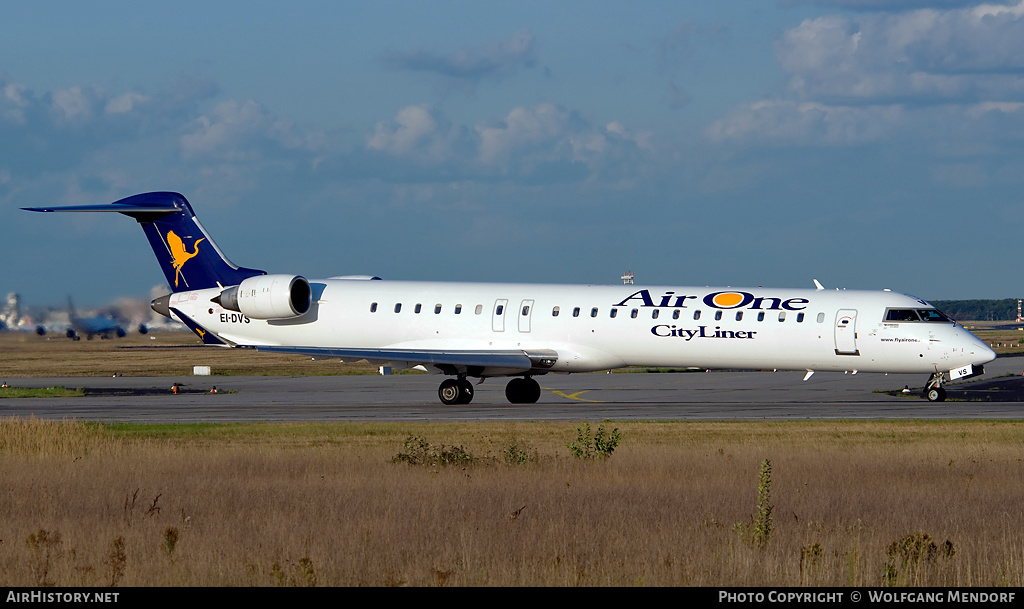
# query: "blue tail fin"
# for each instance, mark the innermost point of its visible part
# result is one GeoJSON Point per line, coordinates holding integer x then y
{"type": "Point", "coordinates": [188, 256]}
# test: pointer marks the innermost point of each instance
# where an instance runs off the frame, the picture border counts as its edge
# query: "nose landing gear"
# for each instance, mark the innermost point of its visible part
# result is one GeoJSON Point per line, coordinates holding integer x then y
{"type": "Point", "coordinates": [933, 390]}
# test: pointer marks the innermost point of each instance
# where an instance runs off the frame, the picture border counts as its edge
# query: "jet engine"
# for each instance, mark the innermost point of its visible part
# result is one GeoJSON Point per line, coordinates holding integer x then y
{"type": "Point", "coordinates": [268, 297]}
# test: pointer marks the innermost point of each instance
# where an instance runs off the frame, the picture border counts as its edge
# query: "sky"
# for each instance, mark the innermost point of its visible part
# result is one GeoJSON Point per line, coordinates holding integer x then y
{"type": "Point", "coordinates": [867, 144]}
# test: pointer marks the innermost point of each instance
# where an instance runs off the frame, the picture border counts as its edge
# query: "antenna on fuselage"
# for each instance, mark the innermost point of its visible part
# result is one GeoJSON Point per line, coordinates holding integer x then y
{"type": "Point", "coordinates": [627, 278]}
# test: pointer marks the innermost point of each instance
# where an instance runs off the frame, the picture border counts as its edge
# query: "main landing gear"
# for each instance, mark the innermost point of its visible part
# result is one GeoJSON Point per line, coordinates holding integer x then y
{"type": "Point", "coordinates": [933, 390]}
{"type": "Point", "coordinates": [455, 391]}
{"type": "Point", "coordinates": [522, 391]}
{"type": "Point", "coordinates": [460, 391]}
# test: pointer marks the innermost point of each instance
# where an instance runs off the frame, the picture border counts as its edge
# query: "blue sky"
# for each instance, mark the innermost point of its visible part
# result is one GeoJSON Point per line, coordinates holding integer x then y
{"type": "Point", "coordinates": [867, 144]}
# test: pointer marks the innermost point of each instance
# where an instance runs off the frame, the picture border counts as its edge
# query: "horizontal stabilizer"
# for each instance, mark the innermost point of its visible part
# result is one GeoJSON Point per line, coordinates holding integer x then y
{"type": "Point", "coordinates": [114, 207]}
{"type": "Point", "coordinates": [187, 254]}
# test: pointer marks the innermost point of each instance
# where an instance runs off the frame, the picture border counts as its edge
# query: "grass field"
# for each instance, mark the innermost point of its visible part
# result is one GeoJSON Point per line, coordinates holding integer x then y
{"type": "Point", "coordinates": [851, 504]}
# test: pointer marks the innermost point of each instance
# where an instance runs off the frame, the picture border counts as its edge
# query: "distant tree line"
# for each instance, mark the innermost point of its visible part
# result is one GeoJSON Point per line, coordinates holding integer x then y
{"type": "Point", "coordinates": [978, 310]}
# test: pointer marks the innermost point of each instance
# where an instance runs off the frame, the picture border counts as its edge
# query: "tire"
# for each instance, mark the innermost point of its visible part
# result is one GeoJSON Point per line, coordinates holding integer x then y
{"type": "Point", "coordinates": [522, 391]}
{"type": "Point", "coordinates": [449, 392]}
{"type": "Point", "coordinates": [935, 394]}
{"type": "Point", "coordinates": [465, 391]}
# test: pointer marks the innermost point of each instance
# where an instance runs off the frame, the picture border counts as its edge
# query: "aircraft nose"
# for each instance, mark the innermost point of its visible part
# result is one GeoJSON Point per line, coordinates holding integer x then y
{"type": "Point", "coordinates": [980, 352]}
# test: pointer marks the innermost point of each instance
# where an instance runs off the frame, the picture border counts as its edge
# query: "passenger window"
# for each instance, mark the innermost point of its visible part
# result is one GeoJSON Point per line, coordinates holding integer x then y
{"type": "Point", "coordinates": [799, 318]}
{"type": "Point", "coordinates": [782, 316]}
{"type": "Point", "coordinates": [593, 312]}
{"type": "Point", "coordinates": [675, 314]}
{"type": "Point", "coordinates": [821, 318]}
{"type": "Point", "coordinates": [576, 312]}
{"type": "Point", "coordinates": [739, 315]}
{"type": "Point", "coordinates": [613, 312]}
{"type": "Point", "coordinates": [437, 309]}
{"type": "Point", "coordinates": [479, 309]}
{"type": "Point", "coordinates": [633, 313]}
{"type": "Point", "coordinates": [398, 307]}
{"type": "Point", "coordinates": [526, 310]}
{"type": "Point", "coordinates": [500, 310]}
{"type": "Point", "coordinates": [554, 312]}
{"type": "Point", "coordinates": [718, 315]}
{"type": "Point", "coordinates": [458, 309]}
{"type": "Point", "coordinates": [655, 313]}
{"type": "Point", "coordinates": [418, 308]}
{"type": "Point", "coordinates": [696, 315]}
{"type": "Point", "coordinates": [373, 307]}
{"type": "Point", "coordinates": [760, 316]}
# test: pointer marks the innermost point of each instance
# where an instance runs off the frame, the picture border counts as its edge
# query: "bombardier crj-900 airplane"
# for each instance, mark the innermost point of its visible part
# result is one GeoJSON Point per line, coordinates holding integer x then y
{"type": "Point", "coordinates": [481, 330]}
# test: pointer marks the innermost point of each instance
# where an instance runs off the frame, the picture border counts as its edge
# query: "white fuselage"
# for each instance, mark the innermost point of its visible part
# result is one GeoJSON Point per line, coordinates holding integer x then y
{"type": "Point", "coordinates": [603, 327]}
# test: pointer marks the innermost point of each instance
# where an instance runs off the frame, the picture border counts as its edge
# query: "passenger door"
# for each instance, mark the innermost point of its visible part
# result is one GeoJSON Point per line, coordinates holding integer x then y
{"type": "Point", "coordinates": [846, 332]}
{"type": "Point", "coordinates": [525, 312]}
{"type": "Point", "coordinates": [498, 315]}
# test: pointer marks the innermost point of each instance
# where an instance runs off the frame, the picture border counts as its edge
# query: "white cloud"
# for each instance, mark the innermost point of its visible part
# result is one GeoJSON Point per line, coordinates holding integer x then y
{"type": "Point", "coordinates": [243, 130]}
{"type": "Point", "coordinates": [520, 128]}
{"type": "Point", "coordinates": [124, 103]}
{"type": "Point", "coordinates": [954, 54]}
{"type": "Point", "coordinates": [874, 76]}
{"type": "Point", "coordinates": [543, 142]}
{"type": "Point", "coordinates": [413, 126]}
{"type": "Point", "coordinates": [70, 105]}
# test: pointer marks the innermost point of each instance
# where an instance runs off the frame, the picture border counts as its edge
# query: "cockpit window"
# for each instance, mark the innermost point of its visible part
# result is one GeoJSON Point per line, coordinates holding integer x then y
{"type": "Point", "coordinates": [932, 315]}
{"type": "Point", "coordinates": [901, 315]}
{"type": "Point", "coordinates": [908, 315]}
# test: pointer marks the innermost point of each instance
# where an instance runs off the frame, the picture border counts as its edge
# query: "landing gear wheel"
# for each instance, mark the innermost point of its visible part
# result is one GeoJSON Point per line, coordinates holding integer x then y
{"type": "Point", "coordinates": [455, 391]}
{"type": "Point", "coordinates": [522, 391]}
{"type": "Point", "coordinates": [466, 391]}
{"type": "Point", "coordinates": [933, 391]}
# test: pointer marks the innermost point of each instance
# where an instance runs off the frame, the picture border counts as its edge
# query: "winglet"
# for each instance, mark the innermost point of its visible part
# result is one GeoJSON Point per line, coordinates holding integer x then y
{"type": "Point", "coordinates": [818, 285]}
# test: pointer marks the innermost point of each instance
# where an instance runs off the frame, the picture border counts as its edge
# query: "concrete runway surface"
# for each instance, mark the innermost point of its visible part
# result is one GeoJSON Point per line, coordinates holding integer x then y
{"type": "Point", "coordinates": [662, 396]}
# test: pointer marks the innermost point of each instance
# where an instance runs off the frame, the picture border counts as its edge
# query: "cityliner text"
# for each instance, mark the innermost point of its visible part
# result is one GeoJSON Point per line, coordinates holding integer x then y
{"type": "Point", "coordinates": [665, 330]}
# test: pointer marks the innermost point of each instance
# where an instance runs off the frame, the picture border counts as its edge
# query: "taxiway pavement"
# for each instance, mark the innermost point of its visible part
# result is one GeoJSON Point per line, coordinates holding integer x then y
{"type": "Point", "coordinates": [716, 396]}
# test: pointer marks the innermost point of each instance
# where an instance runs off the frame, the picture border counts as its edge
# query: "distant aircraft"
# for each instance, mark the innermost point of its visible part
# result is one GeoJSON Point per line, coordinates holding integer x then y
{"type": "Point", "coordinates": [103, 326]}
{"type": "Point", "coordinates": [482, 330]}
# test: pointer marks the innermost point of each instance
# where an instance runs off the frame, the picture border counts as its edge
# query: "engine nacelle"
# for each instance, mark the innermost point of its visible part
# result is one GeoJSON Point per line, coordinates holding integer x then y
{"type": "Point", "coordinates": [268, 297]}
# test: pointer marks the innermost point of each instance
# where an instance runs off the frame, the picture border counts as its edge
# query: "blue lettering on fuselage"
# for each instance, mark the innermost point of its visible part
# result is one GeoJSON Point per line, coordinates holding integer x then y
{"type": "Point", "coordinates": [666, 331]}
{"type": "Point", "coordinates": [717, 300]}
{"type": "Point", "coordinates": [233, 318]}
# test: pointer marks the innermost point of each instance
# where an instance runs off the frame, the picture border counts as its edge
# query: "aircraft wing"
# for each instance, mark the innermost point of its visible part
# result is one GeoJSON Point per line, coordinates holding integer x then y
{"type": "Point", "coordinates": [477, 362]}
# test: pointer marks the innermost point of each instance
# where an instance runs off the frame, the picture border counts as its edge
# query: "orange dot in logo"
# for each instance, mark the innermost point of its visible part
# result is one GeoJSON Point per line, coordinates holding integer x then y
{"type": "Point", "coordinates": [728, 299]}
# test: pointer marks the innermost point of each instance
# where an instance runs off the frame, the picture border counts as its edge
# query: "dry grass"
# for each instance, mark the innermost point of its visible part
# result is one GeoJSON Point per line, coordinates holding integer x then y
{"type": "Point", "coordinates": [25, 355]}
{"type": "Point", "coordinates": [322, 504]}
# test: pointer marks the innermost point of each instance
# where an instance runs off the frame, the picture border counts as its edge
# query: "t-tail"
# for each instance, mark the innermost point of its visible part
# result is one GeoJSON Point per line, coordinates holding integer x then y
{"type": "Point", "coordinates": [188, 256]}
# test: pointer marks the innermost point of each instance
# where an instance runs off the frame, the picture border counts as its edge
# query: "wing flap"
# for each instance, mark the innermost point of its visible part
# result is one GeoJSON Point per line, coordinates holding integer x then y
{"type": "Point", "coordinates": [475, 362]}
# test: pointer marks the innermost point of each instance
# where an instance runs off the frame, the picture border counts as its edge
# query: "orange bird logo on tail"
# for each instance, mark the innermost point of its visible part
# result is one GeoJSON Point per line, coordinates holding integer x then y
{"type": "Point", "coordinates": [179, 255]}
